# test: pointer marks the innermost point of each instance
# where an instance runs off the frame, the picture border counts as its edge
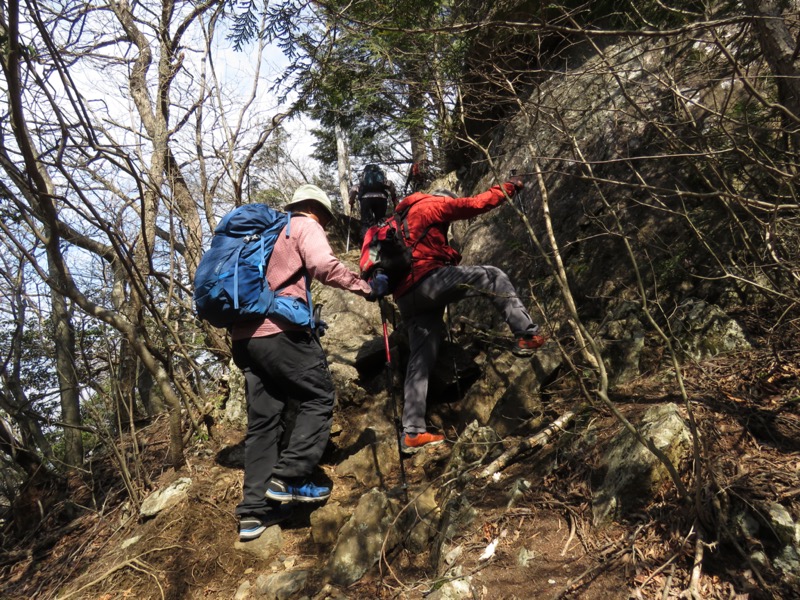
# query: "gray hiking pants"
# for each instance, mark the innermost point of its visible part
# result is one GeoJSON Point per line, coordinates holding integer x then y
{"type": "Point", "coordinates": [422, 310]}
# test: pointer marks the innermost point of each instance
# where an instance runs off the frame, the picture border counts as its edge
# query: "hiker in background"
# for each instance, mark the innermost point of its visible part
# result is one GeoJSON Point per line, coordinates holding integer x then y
{"type": "Point", "coordinates": [434, 281]}
{"type": "Point", "coordinates": [373, 193]}
{"type": "Point", "coordinates": [285, 369]}
{"type": "Point", "coordinates": [417, 176]}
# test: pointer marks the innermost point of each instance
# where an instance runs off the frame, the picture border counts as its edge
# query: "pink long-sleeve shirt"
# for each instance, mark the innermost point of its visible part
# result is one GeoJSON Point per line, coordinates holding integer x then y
{"type": "Point", "coordinates": [305, 250]}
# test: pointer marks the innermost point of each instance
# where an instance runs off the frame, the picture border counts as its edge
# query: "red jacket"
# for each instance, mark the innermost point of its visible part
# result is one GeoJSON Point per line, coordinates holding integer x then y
{"type": "Point", "coordinates": [436, 213]}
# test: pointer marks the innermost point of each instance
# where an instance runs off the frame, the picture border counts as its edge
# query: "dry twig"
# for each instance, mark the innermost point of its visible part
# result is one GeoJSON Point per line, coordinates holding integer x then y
{"type": "Point", "coordinates": [539, 439]}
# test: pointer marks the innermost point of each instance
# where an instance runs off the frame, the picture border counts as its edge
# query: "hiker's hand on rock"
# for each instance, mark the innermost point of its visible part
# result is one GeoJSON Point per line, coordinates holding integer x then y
{"type": "Point", "coordinates": [380, 286]}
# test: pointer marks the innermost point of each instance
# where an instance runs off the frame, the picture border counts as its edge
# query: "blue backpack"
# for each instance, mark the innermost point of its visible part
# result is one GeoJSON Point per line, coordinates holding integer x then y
{"type": "Point", "coordinates": [230, 284]}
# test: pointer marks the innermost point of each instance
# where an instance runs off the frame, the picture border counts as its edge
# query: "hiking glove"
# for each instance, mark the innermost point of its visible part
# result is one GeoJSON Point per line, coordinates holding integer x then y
{"type": "Point", "coordinates": [380, 286]}
{"type": "Point", "coordinates": [517, 182]}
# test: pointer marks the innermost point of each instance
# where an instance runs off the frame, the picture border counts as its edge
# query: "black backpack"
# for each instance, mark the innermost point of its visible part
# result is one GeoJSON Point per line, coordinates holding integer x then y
{"type": "Point", "coordinates": [373, 180]}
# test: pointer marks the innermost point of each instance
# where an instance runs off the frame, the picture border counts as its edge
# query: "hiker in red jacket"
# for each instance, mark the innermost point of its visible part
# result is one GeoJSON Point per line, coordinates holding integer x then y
{"type": "Point", "coordinates": [434, 281]}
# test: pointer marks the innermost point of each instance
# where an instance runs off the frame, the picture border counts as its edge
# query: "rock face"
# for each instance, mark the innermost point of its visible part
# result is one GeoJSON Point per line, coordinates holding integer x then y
{"type": "Point", "coordinates": [623, 336]}
{"type": "Point", "coordinates": [632, 472]}
{"type": "Point", "coordinates": [704, 330]}
{"type": "Point", "coordinates": [326, 522]}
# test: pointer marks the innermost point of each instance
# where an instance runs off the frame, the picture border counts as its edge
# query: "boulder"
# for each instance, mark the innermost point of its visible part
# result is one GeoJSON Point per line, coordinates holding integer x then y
{"type": "Point", "coordinates": [371, 530]}
{"type": "Point", "coordinates": [501, 374]}
{"type": "Point", "coordinates": [264, 547]}
{"type": "Point", "coordinates": [633, 473]}
{"type": "Point", "coordinates": [352, 322]}
{"type": "Point", "coordinates": [704, 330]}
{"type": "Point", "coordinates": [281, 586]}
{"type": "Point", "coordinates": [426, 519]}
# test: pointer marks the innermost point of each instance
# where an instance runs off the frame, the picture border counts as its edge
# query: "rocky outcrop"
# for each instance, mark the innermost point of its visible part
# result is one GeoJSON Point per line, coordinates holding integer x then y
{"type": "Point", "coordinates": [633, 473]}
{"type": "Point", "coordinates": [373, 528]}
{"type": "Point", "coordinates": [165, 498]}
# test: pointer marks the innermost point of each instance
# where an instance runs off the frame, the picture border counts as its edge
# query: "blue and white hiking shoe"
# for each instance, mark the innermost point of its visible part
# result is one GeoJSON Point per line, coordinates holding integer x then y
{"type": "Point", "coordinates": [251, 527]}
{"type": "Point", "coordinates": [301, 491]}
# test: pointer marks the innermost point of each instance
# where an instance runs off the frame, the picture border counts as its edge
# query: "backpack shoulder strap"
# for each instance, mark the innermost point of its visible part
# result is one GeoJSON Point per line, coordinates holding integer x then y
{"type": "Point", "coordinates": [401, 216]}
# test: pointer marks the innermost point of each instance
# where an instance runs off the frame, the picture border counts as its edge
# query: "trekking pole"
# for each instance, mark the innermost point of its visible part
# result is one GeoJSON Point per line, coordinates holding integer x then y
{"type": "Point", "coordinates": [349, 218]}
{"type": "Point", "coordinates": [393, 398]}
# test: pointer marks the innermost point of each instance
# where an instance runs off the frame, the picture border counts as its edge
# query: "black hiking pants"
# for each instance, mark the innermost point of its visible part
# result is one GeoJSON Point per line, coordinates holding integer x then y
{"type": "Point", "coordinates": [373, 211]}
{"type": "Point", "coordinates": [290, 398]}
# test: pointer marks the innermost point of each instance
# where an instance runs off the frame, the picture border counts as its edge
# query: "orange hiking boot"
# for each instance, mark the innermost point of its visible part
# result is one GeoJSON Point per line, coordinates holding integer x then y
{"type": "Point", "coordinates": [526, 344]}
{"type": "Point", "coordinates": [414, 442]}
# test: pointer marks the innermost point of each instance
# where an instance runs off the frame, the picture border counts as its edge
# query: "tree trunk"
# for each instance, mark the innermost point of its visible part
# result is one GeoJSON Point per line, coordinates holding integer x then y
{"type": "Point", "coordinates": [343, 162]}
{"type": "Point", "coordinates": [781, 52]}
{"type": "Point", "coordinates": [69, 391]}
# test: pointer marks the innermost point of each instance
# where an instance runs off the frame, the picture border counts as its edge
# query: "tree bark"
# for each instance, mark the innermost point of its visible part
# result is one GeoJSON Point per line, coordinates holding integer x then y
{"type": "Point", "coordinates": [781, 51]}
{"type": "Point", "coordinates": [343, 164]}
{"type": "Point", "coordinates": [69, 389]}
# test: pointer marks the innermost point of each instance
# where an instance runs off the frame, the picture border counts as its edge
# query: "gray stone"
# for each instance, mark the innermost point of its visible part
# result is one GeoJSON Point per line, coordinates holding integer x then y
{"type": "Point", "coordinates": [633, 472]}
{"type": "Point", "coordinates": [243, 591]}
{"type": "Point", "coordinates": [475, 445]}
{"type": "Point", "coordinates": [455, 588]}
{"type": "Point", "coordinates": [525, 556]}
{"type": "Point", "coordinates": [326, 522]}
{"type": "Point", "coordinates": [518, 404]}
{"type": "Point", "coordinates": [782, 523]}
{"type": "Point", "coordinates": [426, 519]}
{"type": "Point", "coordinates": [281, 586]}
{"type": "Point", "coordinates": [788, 562]}
{"type": "Point", "coordinates": [369, 531]}
{"type": "Point", "coordinates": [352, 323]}
{"type": "Point", "coordinates": [235, 409]}
{"type": "Point", "coordinates": [166, 498]}
{"type": "Point", "coordinates": [266, 546]}
{"type": "Point", "coordinates": [501, 374]}
{"type": "Point", "coordinates": [623, 339]}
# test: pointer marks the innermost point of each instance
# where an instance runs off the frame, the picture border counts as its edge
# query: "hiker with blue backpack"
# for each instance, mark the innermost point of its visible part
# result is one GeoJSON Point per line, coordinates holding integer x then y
{"type": "Point", "coordinates": [424, 276]}
{"type": "Point", "coordinates": [284, 365]}
{"type": "Point", "coordinates": [373, 193]}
